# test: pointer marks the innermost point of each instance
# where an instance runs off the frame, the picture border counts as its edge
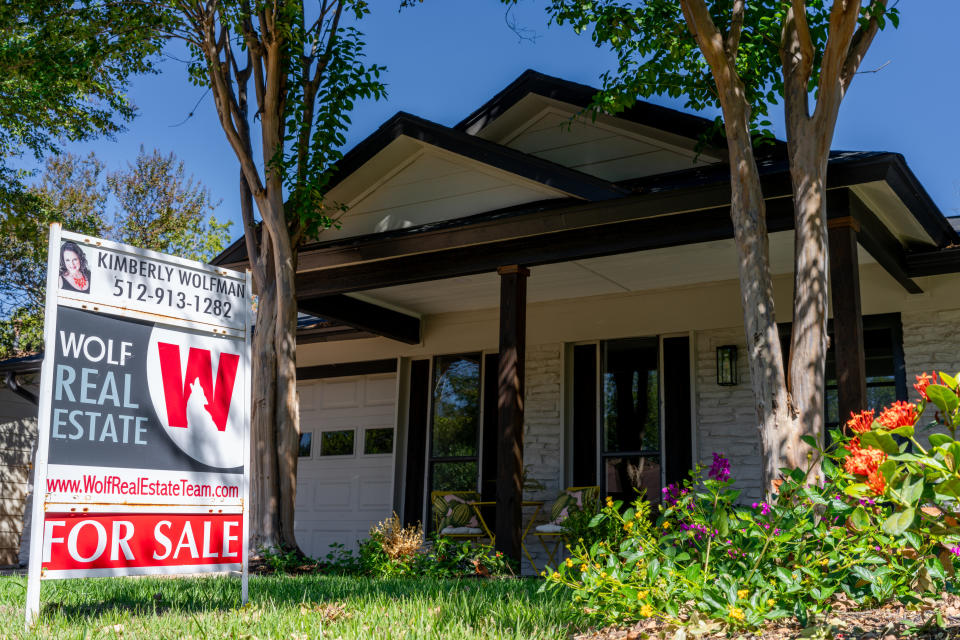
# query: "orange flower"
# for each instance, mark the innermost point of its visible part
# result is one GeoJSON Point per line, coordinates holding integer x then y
{"type": "Point", "coordinates": [876, 483]}
{"type": "Point", "coordinates": [860, 422]}
{"type": "Point", "coordinates": [899, 414]}
{"type": "Point", "coordinates": [924, 380]}
{"type": "Point", "coordinates": [862, 461]}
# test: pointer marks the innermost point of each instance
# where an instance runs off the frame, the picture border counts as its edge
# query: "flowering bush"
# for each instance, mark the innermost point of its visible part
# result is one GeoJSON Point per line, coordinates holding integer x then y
{"type": "Point", "coordinates": [881, 523]}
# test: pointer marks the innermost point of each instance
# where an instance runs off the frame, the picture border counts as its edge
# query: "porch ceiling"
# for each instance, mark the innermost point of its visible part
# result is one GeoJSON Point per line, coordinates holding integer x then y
{"type": "Point", "coordinates": [628, 272]}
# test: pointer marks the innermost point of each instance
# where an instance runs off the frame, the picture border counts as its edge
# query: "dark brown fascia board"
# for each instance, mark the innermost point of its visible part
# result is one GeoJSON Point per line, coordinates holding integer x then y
{"type": "Point", "coordinates": [576, 242]}
{"type": "Point", "coordinates": [548, 173]}
{"type": "Point", "coordinates": [581, 95]}
{"type": "Point", "coordinates": [344, 369]}
{"type": "Point", "coordinates": [545, 219]}
{"type": "Point", "coordinates": [363, 316]}
{"type": "Point", "coordinates": [933, 263]}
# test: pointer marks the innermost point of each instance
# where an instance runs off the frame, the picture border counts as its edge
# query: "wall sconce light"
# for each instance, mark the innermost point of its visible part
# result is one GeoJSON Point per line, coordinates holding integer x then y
{"type": "Point", "coordinates": [727, 365]}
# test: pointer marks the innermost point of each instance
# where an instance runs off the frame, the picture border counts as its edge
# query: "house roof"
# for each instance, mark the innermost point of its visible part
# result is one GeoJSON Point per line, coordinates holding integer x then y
{"type": "Point", "coordinates": [882, 180]}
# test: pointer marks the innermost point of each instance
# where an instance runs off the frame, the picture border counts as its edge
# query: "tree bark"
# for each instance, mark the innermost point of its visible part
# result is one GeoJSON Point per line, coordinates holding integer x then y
{"type": "Point", "coordinates": [748, 213]}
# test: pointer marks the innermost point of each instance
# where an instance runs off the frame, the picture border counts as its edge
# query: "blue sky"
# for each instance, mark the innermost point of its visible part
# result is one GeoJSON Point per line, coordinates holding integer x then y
{"type": "Point", "coordinates": [446, 57]}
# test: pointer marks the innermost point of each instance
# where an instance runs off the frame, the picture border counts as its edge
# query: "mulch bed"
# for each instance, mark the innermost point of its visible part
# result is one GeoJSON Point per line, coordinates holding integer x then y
{"type": "Point", "coordinates": [932, 620]}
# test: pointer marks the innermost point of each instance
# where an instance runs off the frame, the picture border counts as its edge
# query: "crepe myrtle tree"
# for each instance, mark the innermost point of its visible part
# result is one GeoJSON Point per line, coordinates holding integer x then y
{"type": "Point", "coordinates": [742, 57]}
{"type": "Point", "coordinates": [304, 62]}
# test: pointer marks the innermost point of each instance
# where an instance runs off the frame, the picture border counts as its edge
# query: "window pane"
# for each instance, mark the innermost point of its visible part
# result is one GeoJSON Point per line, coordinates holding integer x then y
{"type": "Point", "coordinates": [626, 473]}
{"type": "Point", "coordinates": [305, 439]}
{"type": "Point", "coordinates": [456, 406]}
{"type": "Point", "coordinates": [377, 441]}
{"type": "Point", "coordinates": [631, 392]}
{"type": "Point", "coordinates": [880, 396]}
{"type": "Point", "coordinates": [454, 476]}
{"type": "Point", "coordinates": [336, 443]}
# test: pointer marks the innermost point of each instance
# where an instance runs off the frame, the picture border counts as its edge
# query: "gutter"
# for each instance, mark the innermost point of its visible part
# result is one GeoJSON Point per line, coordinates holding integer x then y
{"type": "Point", "coordinates": [14, 385]}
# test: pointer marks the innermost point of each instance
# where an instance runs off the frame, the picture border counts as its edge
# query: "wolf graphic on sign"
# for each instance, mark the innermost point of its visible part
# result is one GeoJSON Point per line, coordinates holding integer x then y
{"type": "Point", "coordinates": [194, 386]}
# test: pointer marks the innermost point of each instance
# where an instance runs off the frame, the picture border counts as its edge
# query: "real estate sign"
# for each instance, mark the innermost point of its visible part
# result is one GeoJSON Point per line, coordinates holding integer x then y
{"type": "Point", "coordinates": [142, 462]}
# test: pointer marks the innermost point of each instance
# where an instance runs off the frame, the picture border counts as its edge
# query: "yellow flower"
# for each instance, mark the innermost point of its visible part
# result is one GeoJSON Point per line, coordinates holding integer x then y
{"type": "Point", "coordinates": [642, 595]}
{"type": "Point", "coordinates": [735, 612]}
{"type": "Point", "coordinates": [627, 526]}
{"type": "Point", "coordinates": [666, 525]}
{"type": "Point", "coordinates": [646, 611]}
{"type": "Point", "coordinates": [603, 574]}
{"type": "Point", "coordinates": [583, 568]}
{"type": "Point", "coordinates": [771, 602]}
{"type": "Point", "coordinates": [569, 562]}
{"type": "Point", "coordinates": [555, 575]}
{"type": "Point", "coordinates": [824, 562]}
{"type": "Point", "coordinates": [742, 594]}
{"type": "Point", "coordinates": [609, 501]}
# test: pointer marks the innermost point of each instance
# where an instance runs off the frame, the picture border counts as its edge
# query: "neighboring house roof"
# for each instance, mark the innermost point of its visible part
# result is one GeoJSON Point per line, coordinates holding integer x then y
{"type": "Point", "coordinates": [21, 365]}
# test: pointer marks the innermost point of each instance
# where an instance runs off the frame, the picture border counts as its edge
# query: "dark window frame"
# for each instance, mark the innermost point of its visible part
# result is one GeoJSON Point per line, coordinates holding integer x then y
{"type": "Point", "coordinates": [432, 460]}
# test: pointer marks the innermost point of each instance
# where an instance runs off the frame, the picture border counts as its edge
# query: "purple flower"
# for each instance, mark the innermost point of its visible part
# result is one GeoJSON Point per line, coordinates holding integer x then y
{"type": "Point", "coordinates": [955, 551]}
{"type": "Point", "coordinates": [671, 493]}
{"type": "Point", "coordinates": [720, 469]}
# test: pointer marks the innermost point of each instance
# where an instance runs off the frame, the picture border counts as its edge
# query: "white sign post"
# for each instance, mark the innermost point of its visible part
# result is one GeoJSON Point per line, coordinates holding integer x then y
{"type": "Point", "coordinates": [143, 458]}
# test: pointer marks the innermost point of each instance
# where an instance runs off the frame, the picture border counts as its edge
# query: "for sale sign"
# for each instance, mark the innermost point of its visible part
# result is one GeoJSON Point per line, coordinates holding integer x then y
{"type": "Point", "coordinates": [142, 463]}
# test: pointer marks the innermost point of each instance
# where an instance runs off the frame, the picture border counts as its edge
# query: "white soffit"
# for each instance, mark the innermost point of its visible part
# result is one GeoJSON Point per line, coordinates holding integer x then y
{"type": "Point", "coordinates": [410, 183]}
{"type": "Point", "coordinates": [607, 147]}
{"type": "Point", "coordinates": [887, 206]}
{"type": "Point", "coordinates": [666, 268]}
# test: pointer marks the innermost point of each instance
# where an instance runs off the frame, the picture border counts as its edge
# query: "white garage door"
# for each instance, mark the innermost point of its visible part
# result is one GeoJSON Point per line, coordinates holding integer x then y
{"type": "Point", "coordinates": [345, 472]}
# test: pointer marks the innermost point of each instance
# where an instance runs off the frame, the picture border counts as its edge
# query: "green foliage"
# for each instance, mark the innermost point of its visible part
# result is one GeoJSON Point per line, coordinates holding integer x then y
{"type": "Point", "coordinates": [656, 54]}
{"type": "Point", "coordinates": [706, 558]}
{"type": "Point", "coordinates": [158, 207]}
{"type": "Point", "coordinates": [444, 557]}
{"type": "Point", "coordinates": [65, 69]}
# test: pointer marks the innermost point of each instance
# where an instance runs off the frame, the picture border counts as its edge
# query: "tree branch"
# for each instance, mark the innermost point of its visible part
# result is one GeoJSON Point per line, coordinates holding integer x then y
{"type": "Point", "coordinates": [736, 28]}
{"type": "Point", "coordinates": [858, 49]}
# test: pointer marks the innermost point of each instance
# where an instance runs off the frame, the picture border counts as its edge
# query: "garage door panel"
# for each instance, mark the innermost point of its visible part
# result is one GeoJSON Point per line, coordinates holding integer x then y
{"type": "Point", "coordinates": [373, 494]}
{"type": "Point", "coordinates": [380, 391]}
{"type": "Point", "coordinates": [339, 395]}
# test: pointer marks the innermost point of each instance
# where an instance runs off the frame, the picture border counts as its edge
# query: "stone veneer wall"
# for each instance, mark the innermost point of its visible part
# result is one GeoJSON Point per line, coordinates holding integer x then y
{"type": "Point", "coordinates": [725, 418]}
{"type": "Point", "coordinates": [931, 342]}
{"type": "Point", "coordinates": [18, 439]}
{"type": "Point", "coordinates": [542, 435]}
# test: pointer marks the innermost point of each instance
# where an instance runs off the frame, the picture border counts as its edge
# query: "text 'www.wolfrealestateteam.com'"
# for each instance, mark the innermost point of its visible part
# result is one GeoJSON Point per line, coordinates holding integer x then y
{"type": "Point", "coordinates": [141, 486]}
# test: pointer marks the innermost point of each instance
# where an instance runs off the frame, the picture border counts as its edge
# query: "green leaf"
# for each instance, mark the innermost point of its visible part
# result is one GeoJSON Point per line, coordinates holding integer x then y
{"type": "Point", "coordinates": [899, 522]}
{"type": "Point", "coordinates": [948, 380]}
{"type": "Point", "coordinates": [911, 492]}
{"type": "Point", "coordinates": [856, 490]}
{"type": "Point", "coordinates": [880, 440]}
{"type": "Point", "coordinates": [810, 441]}
{"type": "Point", "coordinates": [949, 487]}
{"type": "Point", "coordinates": [940, 439]}
{"type": "Point", "coordinates": [887, 468]}
{"type": "Point", "coordinates": [860, 519]}
{"type": "Point", "coordinates": [944, 397]}
{"type": "Point", "coordinates": [905, 431]}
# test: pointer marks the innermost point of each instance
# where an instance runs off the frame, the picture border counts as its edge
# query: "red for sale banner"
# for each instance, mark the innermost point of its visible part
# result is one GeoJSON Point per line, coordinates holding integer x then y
{"type": "Point", "coordinates": [111, 543]}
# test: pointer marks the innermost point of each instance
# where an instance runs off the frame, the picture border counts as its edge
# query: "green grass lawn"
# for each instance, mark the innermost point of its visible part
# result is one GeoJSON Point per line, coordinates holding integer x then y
{"type": "Point", "coordinates": [288, 607]}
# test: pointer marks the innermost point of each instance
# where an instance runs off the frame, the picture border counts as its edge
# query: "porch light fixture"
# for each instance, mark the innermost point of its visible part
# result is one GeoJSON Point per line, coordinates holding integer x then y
{"type": "Point", "coordinates": [727, 365]}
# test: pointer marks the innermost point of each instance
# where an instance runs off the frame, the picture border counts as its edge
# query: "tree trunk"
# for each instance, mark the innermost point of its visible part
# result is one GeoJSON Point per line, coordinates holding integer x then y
{"type": "Point", "coordinates": [265, 487]}
{"type": "Point", "coordinates": [808, 340]}
{"type": "Point", "coordinates": [748, 212]}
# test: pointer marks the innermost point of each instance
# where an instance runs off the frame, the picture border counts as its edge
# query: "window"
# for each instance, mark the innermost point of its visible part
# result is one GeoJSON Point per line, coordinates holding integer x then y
{"type": "Point", "coordinates": [630, 419]}
{"type": "Point", "coordinates": [305, 439]}
{"type": "Point", "coordinates": [455, 423]}
{"type": "Point", "coordinates": [336, 443]}
{"type": "Point", "coordinates": [377, 441]}
{"type": "Point", "coordinates": [883, 351]}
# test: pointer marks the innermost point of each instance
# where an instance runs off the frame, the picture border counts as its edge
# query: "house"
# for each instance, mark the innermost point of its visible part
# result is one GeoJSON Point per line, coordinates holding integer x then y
{"type": "Point", "coordinates": [553, 292]}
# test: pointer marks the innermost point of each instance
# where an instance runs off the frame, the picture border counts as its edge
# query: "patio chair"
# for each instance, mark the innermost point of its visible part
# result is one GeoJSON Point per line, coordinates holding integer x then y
{"type": "Point", "coordinates": [570, 499]}
{"type": "Point", "coordinates": [454, 514]}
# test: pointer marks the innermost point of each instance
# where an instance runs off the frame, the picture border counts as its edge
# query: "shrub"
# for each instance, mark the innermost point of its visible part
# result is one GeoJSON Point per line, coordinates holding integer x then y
{"type": "Point", "coordinates": [858, 533]}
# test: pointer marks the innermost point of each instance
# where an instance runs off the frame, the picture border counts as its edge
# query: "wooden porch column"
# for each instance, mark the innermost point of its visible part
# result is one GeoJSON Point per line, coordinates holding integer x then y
{"type": "Point", "coordinates": [513, 342]}
{"type": "Point", "coordinates": [847, 317]}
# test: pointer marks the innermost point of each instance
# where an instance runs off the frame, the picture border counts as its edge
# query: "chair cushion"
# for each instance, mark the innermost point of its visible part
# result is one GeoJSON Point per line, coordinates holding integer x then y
{"type": "Point", "coordinates": [454, 511]}
{"type": "Point", "coordinates": [573, 499]}
{"type": "Point", "coordinates": [549, 528]}
{"type": "Point", "coordinates": [452, 531]}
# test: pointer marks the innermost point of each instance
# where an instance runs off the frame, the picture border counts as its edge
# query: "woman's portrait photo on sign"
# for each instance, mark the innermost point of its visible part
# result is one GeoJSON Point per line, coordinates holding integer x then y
{"type": "Point", "coordinates": [74, 271]}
